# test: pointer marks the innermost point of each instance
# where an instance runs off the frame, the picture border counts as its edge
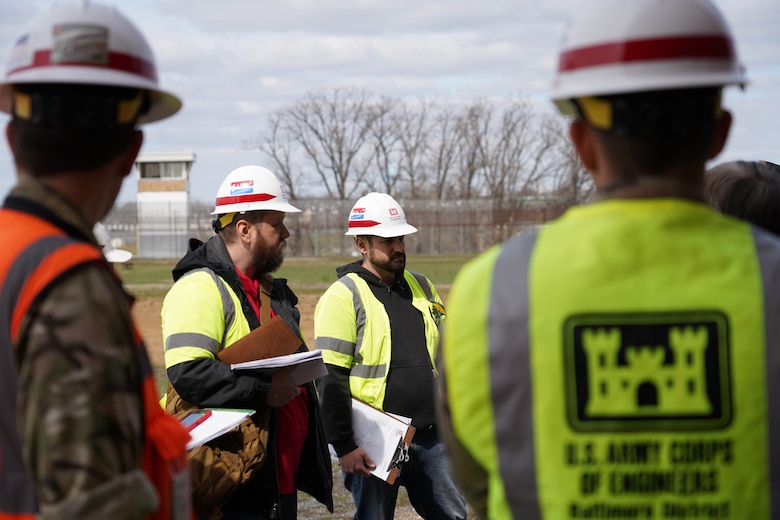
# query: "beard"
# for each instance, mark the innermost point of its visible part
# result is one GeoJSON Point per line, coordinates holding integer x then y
{"type": "Point", "coordinates": [395, 264]}
{"type": "Point", "coordinates": [267, 258]}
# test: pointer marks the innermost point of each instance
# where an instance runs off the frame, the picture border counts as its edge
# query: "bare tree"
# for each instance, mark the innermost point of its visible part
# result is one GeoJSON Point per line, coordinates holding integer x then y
{"type": "Point", "coordinates": [568, 180]}
{"type": "Point", "coordinates": [472, 128]}
{"type": "Point", "coordinates": [333, 131]}
{"type": "Point", "coordinates": [279, 147]}
{"type": "Point", "coordinates": [414, 131]}
{"type": "Point", "coordinates": [510, 156]}
{"type": "Point", "coordinates": [384, 135]}
{"type": "Point", "coordinates": [441, 154]}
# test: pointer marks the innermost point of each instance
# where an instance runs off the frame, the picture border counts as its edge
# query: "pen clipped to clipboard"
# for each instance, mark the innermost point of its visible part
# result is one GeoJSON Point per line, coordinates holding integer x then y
{"type": "Point", "coordinates": [385, 437]}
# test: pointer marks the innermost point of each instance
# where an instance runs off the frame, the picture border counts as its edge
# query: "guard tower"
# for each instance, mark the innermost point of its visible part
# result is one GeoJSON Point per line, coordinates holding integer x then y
{"type": "Point", "coordinates": [163, 203]}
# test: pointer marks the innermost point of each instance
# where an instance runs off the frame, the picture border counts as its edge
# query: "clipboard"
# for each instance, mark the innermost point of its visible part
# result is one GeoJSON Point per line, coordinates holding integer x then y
{"type": "Point", "coordinates": [385, 437]}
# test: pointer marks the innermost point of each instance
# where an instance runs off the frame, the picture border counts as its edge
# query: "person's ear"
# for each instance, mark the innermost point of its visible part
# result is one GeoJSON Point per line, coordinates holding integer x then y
{"type": "Point", "coordinates": [361, 244]}
{"type": "Point", "coordinates": [722, 129]}
{"type": "Point", "coordinates": [243, 229]}
{"type": "Point", "coordinates": [131, 153]}
{"type": "Point", "coordinates": [583, 139]}
{"type": "Point", "coordinates": [8, 137]}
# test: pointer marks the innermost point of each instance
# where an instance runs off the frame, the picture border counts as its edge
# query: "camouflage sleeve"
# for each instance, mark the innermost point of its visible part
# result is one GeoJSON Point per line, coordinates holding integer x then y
{"type": "Point", "coordinates": [80, 405]}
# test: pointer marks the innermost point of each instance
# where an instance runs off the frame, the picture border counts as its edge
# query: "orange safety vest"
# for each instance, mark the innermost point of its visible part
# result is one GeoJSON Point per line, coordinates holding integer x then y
{"type": "Point", "coordinates": [35, 254]}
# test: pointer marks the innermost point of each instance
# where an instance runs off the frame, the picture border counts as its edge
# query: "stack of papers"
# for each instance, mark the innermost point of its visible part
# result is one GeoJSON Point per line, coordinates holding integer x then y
{"type": "Point", "coordinates": [308, 365]}
{"type": "Point", "coordinates": [384, 436]}
{"type": "Point", "coordinates": [221, 421]}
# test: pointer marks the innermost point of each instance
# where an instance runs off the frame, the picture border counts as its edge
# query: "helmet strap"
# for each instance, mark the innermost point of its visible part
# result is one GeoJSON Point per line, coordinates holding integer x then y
{"type": "Point", "coordinates": [72, 110]}
{"type": "Point", "coordinates": [643, 115]}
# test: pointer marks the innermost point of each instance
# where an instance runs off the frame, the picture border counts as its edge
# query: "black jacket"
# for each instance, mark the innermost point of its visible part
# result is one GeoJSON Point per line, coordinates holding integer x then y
{"type": "Point", "coordinates": [261, 495]}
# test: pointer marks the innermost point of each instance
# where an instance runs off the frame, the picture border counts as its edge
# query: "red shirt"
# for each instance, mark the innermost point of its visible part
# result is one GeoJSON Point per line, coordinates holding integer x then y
{"type": "Point", "coordinates": [292, 419]}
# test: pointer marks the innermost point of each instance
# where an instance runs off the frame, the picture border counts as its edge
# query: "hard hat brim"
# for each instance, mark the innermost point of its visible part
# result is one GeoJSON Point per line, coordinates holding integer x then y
{"type": "Point", "coordinates": [163, 104]}
{"type": "Point", "coordinates": [243, 207]}
{"type": "Point", "coordinates": [383, 231]}
{"type": "Point", "coordinates": [119, 256]}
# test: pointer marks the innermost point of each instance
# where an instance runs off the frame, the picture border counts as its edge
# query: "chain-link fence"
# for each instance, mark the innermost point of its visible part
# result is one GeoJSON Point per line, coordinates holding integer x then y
{"type": "Point", "coordinates": [444, 227]}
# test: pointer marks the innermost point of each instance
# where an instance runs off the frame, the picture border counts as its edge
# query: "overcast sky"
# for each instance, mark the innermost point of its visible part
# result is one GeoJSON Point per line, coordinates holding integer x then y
{"type": "Point", "coordinates": [234, 61]}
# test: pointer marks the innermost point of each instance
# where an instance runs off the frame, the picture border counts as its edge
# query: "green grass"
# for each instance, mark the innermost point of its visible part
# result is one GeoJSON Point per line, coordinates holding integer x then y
{"type": "Point", "coordinates": [150, 277]}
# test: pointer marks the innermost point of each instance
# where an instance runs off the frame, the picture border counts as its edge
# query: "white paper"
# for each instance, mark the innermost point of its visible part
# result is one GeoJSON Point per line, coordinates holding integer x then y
{"type": "Point", "coordinates": [308, 365]}
{"type": "Point", "coordinates": [218, 423]}
{"type": "Point", "coordinates": [378, 433]}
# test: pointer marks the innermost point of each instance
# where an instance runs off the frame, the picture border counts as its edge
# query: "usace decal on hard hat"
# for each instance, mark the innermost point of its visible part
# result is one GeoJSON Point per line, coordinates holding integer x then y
{"type": "Point", "coordinates": [242, 187]}
{"type": "Point", "coordinates": [358, 214]}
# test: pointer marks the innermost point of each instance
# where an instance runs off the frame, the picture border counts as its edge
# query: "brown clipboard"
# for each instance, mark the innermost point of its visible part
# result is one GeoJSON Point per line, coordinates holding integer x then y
{"type": "Point", "coordinates": [273, 338]}
{"type": "Point", "coordinates": [385, 438]}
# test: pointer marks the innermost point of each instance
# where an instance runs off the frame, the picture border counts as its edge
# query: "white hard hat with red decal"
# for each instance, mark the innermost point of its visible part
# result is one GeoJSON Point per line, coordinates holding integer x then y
{"type": "Point", "coordinates": [620, 47]}
{"type": "Point", "coordinates": [251, 188]}
{"type": "Point", "coordinates": [88, 44]}
{"type": "Point", "coordinates": [380, 215]}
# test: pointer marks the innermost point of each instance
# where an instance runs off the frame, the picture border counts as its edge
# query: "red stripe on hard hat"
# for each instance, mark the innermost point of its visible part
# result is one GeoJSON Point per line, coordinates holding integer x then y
{"type": "Point", "coordinates": [238, 199]}
{"type": "Point", "coordinates": [680, 47]}
{"type": "Point", "coordinates": [116, 61]}
{"type": "Point", "coordinates": [362, 223]}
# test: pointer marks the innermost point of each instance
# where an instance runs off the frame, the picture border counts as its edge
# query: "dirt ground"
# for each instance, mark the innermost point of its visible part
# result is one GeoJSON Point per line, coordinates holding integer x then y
{"type": "Point", "coordinates": [146, 312]}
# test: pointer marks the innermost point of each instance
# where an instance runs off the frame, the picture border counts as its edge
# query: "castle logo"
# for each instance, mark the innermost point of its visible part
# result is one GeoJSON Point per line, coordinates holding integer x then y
{"type": "Point", "coordinates": [639, 372]}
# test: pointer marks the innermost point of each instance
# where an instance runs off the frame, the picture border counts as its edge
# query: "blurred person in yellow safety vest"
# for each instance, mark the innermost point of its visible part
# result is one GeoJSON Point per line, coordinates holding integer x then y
{"type": "Point", "coordinates": [222, 290]}
{"type": "Point", "coordinates": [81, 432]}
{"type": "Point", "coordinates": [378, 329]}
{"type": "Point", "coordinates": [623, 361]}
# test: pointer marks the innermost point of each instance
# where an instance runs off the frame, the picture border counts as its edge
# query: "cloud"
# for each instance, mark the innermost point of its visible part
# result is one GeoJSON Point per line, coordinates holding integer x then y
{"type": "Point", "coordinates": [233, 62]}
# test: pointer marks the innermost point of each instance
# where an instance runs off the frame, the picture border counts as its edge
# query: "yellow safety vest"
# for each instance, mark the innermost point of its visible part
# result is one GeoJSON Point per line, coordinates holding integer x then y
{"type": "Point", "coordinates": [216, 315]}
{"type": "Point", "coordinates": [619, 363]}
{"type": "Point", "coordinates": [352, 329]}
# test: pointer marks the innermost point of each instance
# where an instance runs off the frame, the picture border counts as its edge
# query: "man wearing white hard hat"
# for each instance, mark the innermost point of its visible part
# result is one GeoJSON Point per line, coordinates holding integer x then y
{"type": "Point", "coordinates": [82, 435]}
{"type": "Point", "coordinates": [623, 361]}
{"type": "Point", "coordinates": [378, 329]}
{"type": "Point", "coordinates": [223, 289]}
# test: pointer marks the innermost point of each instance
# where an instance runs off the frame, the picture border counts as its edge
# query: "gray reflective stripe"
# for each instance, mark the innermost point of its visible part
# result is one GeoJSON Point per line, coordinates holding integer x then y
{"type": "Point", "coordinates": [361, 370]}
{"type": "Point", "coordinates": [768, 252]}
{"type": "Point", "coordinates": [336, 345]}
{"type": "Point", "coordinates": [228, 307]}
{"type": "Point", "coordinates": [192, 339]}
{"type": "Point", "coordinates": [17, 494]}
{"type": "Point", "coordinates": [510, 376]}
{"type": "Point", "coordinates": [423, 284]}
{"type": "Point", "coordinates": [360, 315]}
{"type": "Point", "coordinates": [368, 371]}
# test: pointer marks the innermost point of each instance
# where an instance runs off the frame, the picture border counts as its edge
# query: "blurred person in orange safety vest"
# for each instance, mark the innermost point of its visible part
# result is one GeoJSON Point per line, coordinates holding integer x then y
{"type": "Point", "coordinates": [622, 361]}
{"type": "Point", "coordinates": [82, 435]}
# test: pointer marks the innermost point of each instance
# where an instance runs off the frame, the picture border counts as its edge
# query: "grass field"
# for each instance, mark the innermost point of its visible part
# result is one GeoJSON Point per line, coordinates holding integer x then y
{"type": "Point", "coordinates": [150, 278]}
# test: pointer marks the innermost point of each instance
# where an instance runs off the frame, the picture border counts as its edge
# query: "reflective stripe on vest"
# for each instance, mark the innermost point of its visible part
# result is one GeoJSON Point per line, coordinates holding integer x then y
{"type": "Point", "coordinates": [769, 256]}
{"type": "Point", "coordinates": [32, 258]}
{"type": "Point", "coordinates": [37, 253]}
{"type": "Point", "coordinates": [634, 394]}
{"type": "Point", "coordinates": [368, 358]}
{"type": "Point", "coordinates": [186, 346]}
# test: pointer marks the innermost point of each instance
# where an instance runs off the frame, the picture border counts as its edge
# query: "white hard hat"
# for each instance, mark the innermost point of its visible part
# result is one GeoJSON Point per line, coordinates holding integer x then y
{"type": "Point", "coordinates": [380, 215]}
{"type": "Point", "coordinates": [620, 47]}
{"type": "Point", "coordinates": [251, 188]}
{"type": "Point", "coordinates": [87, 44]}
{"type": "Point", "coordinates": [109, 251]}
